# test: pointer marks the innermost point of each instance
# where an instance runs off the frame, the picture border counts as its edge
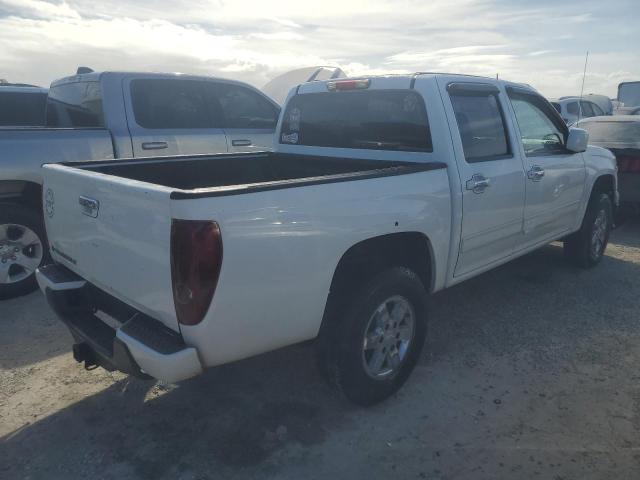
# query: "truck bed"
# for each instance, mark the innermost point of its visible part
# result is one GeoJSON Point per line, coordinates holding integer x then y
{"type": "Point", "coordinates": [216, 173]}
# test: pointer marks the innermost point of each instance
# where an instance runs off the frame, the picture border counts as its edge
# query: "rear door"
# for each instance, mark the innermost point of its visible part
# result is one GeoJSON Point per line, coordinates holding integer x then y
{"type": "Point", "coordinates": [492, 174]}
{"type": "Point", "coordinates": [171, 116]}
{"type": "Point", "coordinates": [555, 176]}
{"type": "Point", "coordinates": [246, 115]}
{"type": "Point", "coordinates": [113, 232]}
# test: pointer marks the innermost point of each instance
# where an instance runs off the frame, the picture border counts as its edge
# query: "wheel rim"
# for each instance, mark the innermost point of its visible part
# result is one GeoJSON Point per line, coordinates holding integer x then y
{"type": "Point", "coordinates": [599, 234]}
{"type": "Point", "coordinates": [20, 252]}
{"type": "Point", "coordinates": [388, 336]}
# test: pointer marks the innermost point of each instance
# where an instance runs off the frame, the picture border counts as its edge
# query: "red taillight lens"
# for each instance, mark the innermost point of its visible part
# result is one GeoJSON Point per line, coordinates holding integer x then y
{"type": "Point", "coordinates": [196, 258]}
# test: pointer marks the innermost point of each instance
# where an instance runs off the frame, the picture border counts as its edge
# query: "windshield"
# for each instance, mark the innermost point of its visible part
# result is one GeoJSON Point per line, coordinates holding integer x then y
{"type": "Point", "coordinates": [612, 132]}
{"type": "Point", "coordinates": [21, 109]}
{"type": "Point", "coordinates": [373, 119]}
{"type": "Point", "coordinates": [629, 94]}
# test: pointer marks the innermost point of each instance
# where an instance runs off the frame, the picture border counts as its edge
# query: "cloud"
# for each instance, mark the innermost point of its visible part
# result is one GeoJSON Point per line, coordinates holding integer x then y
{"type": "Point", "coordinates": [255, 41]}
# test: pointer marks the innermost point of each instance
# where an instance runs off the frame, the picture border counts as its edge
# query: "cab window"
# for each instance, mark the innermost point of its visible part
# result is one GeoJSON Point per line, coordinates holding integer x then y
{"type": "Point", "coordinates": [587, 111]}
{"type": "Point", "coordinates": [75, 105]}
{"type": "Point", "coordinates": [160, 103]}
{"type": "Point", "coordinates": [541, 129]}
{"type": "Point", "coordinates": [481, 126]}
{"type": "Point", "coordinates": [241, 107]}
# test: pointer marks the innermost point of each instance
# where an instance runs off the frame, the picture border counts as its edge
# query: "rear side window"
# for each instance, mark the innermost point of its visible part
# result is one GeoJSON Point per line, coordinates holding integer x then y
{"type": "Point", "coordinates": [241, 107]}
{"type": "Point", "coordinates": [167, 103]}
{"type": "Point", "coordinates": [481, 126]}
{"type": "Point", "coordinates": [372, 119]}
{"type": "Point", "coordinates": [75, 105]}
{"type": "Point", "coordinates": [22, 109]}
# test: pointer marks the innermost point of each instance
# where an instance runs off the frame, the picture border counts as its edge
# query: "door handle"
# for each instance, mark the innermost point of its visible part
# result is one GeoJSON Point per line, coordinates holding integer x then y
{"type": "Point", "coordinates": [536, 173]}
{"type": "Point", "coordinates": [241, 143]}
{"type": "Point", "coordinates": [478, 183]}
{"type": "Point", "coordinates": [154, 145]}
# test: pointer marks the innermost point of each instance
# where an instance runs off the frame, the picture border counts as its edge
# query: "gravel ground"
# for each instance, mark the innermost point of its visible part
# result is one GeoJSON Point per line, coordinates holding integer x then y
{"type": "Point", "coordinates": [530, 372]}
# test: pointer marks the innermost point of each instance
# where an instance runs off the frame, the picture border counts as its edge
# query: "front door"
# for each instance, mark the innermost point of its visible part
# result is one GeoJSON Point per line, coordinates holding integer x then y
{"type": "Point", "coordinates": [492, 175]}
{"type": "Point", "coordinates": [247, 116]}
{"type": "Point", "coordinates": [555, 176]}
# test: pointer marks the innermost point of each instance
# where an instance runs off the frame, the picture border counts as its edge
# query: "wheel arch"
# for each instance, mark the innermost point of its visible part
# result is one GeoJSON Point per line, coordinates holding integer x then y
{"type": "Point", "coordinates": [21, 192]}
{"type": "Point", "coordinates": [606, 184]}
{"type": "Point", "coordinates": [366, 258]}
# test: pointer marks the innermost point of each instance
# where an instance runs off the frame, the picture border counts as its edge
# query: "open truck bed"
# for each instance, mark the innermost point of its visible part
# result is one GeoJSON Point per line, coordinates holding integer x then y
{"type": "Point", "coordinates": [212, 175]}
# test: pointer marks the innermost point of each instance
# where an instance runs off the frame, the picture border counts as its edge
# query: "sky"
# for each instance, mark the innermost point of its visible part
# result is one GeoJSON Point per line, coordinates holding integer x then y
{"type": "Point", "coordinates": [542, 43]}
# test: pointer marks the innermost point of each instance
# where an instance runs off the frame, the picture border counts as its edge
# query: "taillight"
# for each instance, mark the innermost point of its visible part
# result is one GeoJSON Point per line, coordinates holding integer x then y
{"type": "Point", "coordinates": [348, 84]}
{"type": "Point", "coordinates": [196, 258]}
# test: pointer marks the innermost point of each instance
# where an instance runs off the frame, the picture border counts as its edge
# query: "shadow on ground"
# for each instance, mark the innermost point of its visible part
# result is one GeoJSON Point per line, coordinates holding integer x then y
{"type": "Point", "coordinates": [525, 324]}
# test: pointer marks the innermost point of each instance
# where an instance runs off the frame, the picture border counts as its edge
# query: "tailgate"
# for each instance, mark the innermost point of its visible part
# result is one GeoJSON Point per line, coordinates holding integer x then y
{"type": "Point", "coordinates": [113, 232]}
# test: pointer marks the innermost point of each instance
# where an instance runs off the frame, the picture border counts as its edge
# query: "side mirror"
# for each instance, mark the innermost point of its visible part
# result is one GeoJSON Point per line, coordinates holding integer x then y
{"type": "Point", "coordinates": [577, 140]}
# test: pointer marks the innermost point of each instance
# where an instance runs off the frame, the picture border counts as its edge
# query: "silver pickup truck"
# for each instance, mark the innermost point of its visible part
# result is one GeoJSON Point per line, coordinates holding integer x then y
{"type": "Point", "coordinates": [114, 115]}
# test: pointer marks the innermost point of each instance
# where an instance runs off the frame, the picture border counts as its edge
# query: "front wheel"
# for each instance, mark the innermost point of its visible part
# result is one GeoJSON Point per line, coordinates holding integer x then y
{"type": "Point", "coordinates": [22, 249]}
{"type": "Point", "coordinates": [372, 346]}
{"type": "Point", "coordinates": [586, 247]}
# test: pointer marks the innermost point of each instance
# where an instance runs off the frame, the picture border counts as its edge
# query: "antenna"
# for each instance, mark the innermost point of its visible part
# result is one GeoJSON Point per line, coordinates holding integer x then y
{"type": "Point", "coordinates": [584, 74]}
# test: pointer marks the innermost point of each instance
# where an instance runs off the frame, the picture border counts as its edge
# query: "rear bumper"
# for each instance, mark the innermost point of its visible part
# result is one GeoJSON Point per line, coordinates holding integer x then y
{"type": "Point", "coordinates": [113, 335]}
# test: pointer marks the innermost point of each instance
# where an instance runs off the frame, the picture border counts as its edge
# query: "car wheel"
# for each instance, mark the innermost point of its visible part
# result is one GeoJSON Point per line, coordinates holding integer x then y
{"type": "Point", "coordinates": [586, 247]}
{"type": "Point", "coordinates": [372, 345]}
{"type": "Point", "coordinates": [22, 249]}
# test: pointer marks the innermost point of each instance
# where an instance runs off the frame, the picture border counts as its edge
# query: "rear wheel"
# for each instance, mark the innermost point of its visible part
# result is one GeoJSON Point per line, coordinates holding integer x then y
{"type": "Point", "coordinates": [372, 343]}
{"type": "Point", "coordinates": [586, 247]}
{"type": "Point", "coordinates": [22, 249]}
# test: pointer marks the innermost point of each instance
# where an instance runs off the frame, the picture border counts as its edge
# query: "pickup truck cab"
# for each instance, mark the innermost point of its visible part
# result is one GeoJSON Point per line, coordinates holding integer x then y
{"type": "Point", "coordinates": [380, 191]}
{"type": "Point", "coordinates": [97, 116]}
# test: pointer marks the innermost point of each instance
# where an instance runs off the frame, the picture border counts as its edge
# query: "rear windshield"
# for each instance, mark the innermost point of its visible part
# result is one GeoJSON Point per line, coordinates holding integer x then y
{"type": "Point", "coordinates": [75, 105]}
{"type": "Point", "coordinates": [372, 119]}
{"type": "Point", "coordinates": [612, 132]}
{"type": "Point", "coordinates": [22, 109]}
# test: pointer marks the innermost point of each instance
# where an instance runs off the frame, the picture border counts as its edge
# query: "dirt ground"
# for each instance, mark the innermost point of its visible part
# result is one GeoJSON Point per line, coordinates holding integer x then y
{"type": "Point", "coordinates": [530, 371]}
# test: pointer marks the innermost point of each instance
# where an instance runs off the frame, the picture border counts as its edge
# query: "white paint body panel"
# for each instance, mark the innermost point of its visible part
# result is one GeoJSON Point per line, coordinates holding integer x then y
{"type": "Point", "coordinates": [281, 246]}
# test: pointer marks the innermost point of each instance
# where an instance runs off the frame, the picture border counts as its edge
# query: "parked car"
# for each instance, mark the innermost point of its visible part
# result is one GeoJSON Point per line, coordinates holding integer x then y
{"type": "Point", "coordinates": [380, 191]}
{"type": "Point", "coordinates": [604, 102]}
{"type": "Point", "coordinates": [93, 116]}
{"type": "Point", "coordinates": [22, 105]}
{"type": "Point", "coordinates": [621, 135]}
{"type": "Point", "coordinates": [628, 101]}
{"type": "Point", "coordinates": [573, 108]}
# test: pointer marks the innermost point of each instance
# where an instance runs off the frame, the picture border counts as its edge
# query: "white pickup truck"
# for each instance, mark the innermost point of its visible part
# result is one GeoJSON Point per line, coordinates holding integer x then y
{"type": "Point", "coordinates": [381, 190]}
{"type": "Point", "coordinates": [95, 116]}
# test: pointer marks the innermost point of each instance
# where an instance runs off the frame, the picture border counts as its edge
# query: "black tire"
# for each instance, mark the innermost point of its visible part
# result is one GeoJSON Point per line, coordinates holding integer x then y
{"type": "Point", "coordinates": [580, 249]}
{"type": "Point", "coordinates": [15, 214]}
{"type": "Point", "coordinates": [340, 346]}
